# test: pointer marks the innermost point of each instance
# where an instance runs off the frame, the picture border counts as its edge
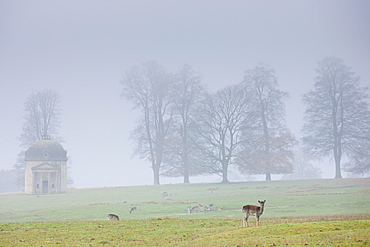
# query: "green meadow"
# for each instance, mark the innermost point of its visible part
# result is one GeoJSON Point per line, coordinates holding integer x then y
{"type": "Point", "coordinates": [330, 212]}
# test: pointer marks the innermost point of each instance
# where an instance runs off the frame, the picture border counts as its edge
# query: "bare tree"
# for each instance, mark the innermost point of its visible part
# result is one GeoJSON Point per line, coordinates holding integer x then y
{"type": "Point", "coordinates": [181, 154]}
{"type": "Point", "coordinates": [268, 143]}
{"type": "Point", "coordinates": [337, 116]}
{"type": "Point", "coordinates": [42, 120]}
{"type": "Point", "coordinates": [220, 119]}
{"type": "Point", "coordinates": [42, 117]}
{"type": "Point", "coordinates": [147, 86]}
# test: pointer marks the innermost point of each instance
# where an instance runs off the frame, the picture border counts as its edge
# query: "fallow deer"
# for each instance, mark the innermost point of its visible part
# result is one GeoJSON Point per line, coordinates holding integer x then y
{"type": "Point", "coordinates": [253, 210]}
{"type": "Point", "coordinates": [202, 208]}
{"type": "Point", "coordinates": [112, 217]}
{"type": "Point", "coordinates": [195, 208]}
{"type": "Point", "coordinates": [133, 209]}
{"type": "Point", "coordinates": [164, 195]}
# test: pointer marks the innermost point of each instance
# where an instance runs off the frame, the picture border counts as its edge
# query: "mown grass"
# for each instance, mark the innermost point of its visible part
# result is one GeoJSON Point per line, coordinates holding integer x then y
{"type": "Point", "coordinates": [311, 212]}
{"type": "Point", "coordinates": [189, 232]}
{"type": "Point", "coordinates": [284, 199]}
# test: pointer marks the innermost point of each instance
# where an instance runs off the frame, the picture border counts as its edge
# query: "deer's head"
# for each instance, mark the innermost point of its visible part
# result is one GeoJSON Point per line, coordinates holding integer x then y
{"type": "Point", "coordinates": [262, 203]}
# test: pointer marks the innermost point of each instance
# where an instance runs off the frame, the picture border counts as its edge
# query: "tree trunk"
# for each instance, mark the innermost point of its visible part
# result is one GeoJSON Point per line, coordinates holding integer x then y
{"type": "Point", "coordinates": [186, 178]}
{"type": "Point", "coordinates": [186, 167]}
{"type": "Point", "coordinates": [337, 158]}
{"type": "Point", "coordinates": [267, 147]}
{"type": "Point", "coordinates": [185, 157]}
{"type": "Point", "coordinates": [224, 174]}
{"type": "Point", "coordinates": [338, 144]}
{"type": "Point", "coordinates": [337, 171]}
{"type": "Point", "coordinates": [156, 174]}
{"type": "Point", "coordinates": [337, 147]}
{"type": "Point", "coordinates": [224, 178]}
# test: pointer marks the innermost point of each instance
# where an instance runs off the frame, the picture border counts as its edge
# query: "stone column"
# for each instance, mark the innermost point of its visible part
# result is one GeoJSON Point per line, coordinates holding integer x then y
{"type": "Point", "coordinates": [63, 177]}
{"type": "Point", "coordinates": [29, 182]}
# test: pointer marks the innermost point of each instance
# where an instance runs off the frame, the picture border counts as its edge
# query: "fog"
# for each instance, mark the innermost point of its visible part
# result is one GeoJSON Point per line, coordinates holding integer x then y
{"type": "Point", "coordinates": [81, 49]}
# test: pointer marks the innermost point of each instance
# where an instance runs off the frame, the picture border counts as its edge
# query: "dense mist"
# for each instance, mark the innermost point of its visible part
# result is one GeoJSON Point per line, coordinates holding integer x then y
{"type": "Point", "coordinates": [81, 50]}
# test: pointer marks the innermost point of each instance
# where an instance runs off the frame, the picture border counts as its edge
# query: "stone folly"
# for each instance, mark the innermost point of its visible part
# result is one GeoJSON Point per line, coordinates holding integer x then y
{"type": "Point", "coordinates": [46, 168]}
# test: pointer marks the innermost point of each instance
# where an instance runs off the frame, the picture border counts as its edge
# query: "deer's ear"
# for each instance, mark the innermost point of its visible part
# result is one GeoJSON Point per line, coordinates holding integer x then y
{"type": "Point", "coordinates": [264, 201]}
{"type": "Point", "coordinates": [259, 201]}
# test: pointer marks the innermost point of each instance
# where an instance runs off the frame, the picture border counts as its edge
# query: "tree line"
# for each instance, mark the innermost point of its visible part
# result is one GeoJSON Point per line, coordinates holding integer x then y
{"type": "Point", "coordinates": [185, 130]}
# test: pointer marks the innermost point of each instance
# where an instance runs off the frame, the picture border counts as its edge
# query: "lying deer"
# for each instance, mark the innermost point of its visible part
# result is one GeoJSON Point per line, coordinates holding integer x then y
{"type": "Point", "coordinates": [164, 195]}
{"type": "Point", "coordinates": [253, 210]}
{"type": "Point", "coordinates": [112, 217]}
{"type": "Point", "coordinates": [210, 207]}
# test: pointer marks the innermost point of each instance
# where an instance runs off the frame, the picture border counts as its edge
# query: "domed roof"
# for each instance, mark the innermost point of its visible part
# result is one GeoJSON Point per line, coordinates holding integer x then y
{"type": "Point", "coordinates": [47, 150]}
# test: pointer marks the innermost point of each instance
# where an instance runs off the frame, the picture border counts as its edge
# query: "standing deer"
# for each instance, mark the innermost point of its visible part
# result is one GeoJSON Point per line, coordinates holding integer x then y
{"type": "Point", "coordinates": [112, 217]}
{"type": "Point", "coordinates": [253, 210]}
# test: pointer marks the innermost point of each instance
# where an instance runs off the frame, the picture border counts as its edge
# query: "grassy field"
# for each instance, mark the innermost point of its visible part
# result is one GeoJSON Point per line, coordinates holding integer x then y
{"type": "Point", "coordinates": [354, 231]}
{"type": "Point", "coordinates": [313, 212]}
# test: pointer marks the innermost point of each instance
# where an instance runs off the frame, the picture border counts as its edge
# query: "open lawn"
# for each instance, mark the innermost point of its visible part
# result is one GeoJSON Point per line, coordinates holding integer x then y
{"type": "Point", "coordinates": [310, 212]}
{"type": "Point", "coordinates": [323, 231]}
{"type": "Point", "coordinates": [283, 199]}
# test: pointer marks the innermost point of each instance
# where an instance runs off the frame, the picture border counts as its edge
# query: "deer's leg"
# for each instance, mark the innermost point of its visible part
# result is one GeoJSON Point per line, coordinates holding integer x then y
{"type": "Point", "coordinates": [257, 220]}
{"type": "Point", "coordinates": [245, 222]}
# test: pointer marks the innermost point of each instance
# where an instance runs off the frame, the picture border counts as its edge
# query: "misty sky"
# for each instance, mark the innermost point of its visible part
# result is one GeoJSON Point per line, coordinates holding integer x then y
{"type": "Point", "coordinates": [81, 49]}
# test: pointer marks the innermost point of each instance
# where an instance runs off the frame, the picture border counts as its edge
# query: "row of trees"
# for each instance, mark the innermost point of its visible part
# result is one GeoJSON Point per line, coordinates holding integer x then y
{"type": "Point", "coordinates": [184, 130]}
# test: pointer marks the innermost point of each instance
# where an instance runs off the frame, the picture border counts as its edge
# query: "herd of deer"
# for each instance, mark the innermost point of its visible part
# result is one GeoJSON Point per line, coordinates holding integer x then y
{"type": "Point", "coordinates": [247, 209]}
{"type": "Point", "coordinates": [200, 208]}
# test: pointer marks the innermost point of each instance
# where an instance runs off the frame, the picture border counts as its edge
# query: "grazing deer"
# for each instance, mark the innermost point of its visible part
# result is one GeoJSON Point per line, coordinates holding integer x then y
{"type": "Point", "coordinates": [167, 196]}
{"type": "Point", "coordinates": [112, 217]}
{"type": "Point", "coordinates": [253, 210]}
{"type": "Point", "coordinates": [133, 209]}
{"type": "Point", "coordinates": [195, 208]}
